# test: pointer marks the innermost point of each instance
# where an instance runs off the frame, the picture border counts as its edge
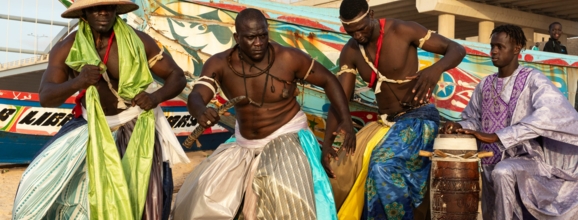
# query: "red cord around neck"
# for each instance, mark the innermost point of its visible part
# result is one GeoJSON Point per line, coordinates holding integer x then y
{"type": "Point", "coordinates": [77, 110]}
{"type": "Point", "coordinates": [376, 61]}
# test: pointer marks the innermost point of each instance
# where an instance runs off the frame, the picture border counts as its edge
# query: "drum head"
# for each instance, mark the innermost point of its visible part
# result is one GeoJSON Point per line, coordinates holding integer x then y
{"type": "Point", "coordinates": [456, 136]}
{"type": "Point", "coordinates": [457, 142]}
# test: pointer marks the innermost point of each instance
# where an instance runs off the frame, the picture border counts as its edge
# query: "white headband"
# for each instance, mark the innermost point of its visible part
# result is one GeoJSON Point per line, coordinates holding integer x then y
{"type": "Point", "coordinates": [356, 20]}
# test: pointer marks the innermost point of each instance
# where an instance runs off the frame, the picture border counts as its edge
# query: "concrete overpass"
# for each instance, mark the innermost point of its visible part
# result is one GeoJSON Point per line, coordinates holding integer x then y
{"type": "Point", "coordinates": [39, 62]}
{"type": "Point", "coordinates": [474, 19]}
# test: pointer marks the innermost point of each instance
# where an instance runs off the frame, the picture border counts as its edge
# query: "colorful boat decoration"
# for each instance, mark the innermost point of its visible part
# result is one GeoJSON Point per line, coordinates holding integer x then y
{"type": "Point", "coordinates": [25, 126]}
{"type": "Point", "coordinates": [192, 31]}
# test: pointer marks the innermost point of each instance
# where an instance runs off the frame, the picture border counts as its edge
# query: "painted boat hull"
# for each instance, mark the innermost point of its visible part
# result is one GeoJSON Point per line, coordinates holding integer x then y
{"type": "Point", "coordinates": [22, 148]}
{"type": "Point", "coordinates": [25, 126]}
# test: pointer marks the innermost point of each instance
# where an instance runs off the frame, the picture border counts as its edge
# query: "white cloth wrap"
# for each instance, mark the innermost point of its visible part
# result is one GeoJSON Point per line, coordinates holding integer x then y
{"type": "Point", "coordinates": [298, 122]}
{"type": "Point", "coordinates": [171, 148]}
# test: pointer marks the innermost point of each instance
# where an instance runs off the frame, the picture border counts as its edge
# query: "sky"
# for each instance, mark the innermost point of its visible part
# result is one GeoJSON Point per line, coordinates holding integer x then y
{"type": "Point", "coordinates": [18, 34]}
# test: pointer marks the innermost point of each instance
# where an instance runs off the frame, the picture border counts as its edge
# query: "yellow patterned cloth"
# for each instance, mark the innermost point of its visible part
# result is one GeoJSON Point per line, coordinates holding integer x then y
{"type": "Point", "coordinates": [389, 179]}
{"type": "Point", "coordinates": [351, 172]}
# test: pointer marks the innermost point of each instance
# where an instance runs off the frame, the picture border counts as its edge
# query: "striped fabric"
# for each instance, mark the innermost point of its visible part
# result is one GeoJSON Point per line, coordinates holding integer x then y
{"type": "Point", "coordinates": [72, 202]}
{"type": "Point", "coordinates": [54, 185]}
{"type": "Point", "coordinates": [283, 182]}
{"type": "Point", "coordinates": [281, 187]}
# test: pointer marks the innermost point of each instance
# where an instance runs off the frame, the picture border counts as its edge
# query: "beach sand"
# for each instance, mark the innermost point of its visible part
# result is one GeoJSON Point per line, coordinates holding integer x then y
{"type": "Point", "coordinates": [10, 177]}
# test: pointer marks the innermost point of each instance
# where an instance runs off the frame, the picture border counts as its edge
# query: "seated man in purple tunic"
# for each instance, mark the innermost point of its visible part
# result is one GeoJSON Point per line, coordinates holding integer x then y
{"type": "Point", "coordinates": [533, 131]}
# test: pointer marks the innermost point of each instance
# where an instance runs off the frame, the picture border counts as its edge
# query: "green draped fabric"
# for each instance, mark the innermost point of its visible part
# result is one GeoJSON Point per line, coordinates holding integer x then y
{"type": "Point", "coordinates": [117, 188]}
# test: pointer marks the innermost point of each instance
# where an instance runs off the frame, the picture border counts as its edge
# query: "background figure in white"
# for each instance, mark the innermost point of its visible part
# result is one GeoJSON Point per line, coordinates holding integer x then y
{"type": "Point", "coordinates": [533, 131]}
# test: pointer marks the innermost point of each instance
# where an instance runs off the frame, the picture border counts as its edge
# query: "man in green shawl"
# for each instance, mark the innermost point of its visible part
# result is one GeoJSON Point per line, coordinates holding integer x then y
{"type": "Point", "coordinates": [113, 160]}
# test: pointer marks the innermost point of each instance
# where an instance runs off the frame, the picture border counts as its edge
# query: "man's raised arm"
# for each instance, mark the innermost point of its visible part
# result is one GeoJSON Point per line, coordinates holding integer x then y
{"type": "Point", "coordinates": [428, 77]}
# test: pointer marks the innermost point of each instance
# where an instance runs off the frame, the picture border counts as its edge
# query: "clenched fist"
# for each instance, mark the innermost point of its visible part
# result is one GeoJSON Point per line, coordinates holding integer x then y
{"type": "Point", "coordinates": [209, 118]}
{"type": "Point", "coordinates": [88, 76]}
{"type": "Point", "coordinates": [145, 101]}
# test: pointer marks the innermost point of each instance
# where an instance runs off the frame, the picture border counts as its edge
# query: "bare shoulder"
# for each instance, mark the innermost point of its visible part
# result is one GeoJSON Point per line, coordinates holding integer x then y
{"type": "Point", "coordinates": [68, 40]}
{"type": "Point", "coordinates": [216, 63]}
{"type": "Point", "coordinates": [144, 37]}
{"type": "Point", "coordinates": [351, 47]}
{"type": "Point", "coordinates": [401, 25]}
{"type": "Point", "coordinates": [60, 51]}
{"type": "Point", "coordinates": [349, 52]}
{"type": "Point", "coordinates": [294, 60]}
{"type": "Point", "coordinates": [411, 30]}
{"type": "Point", "coordinates": [57, 70]}
{"type": "Point", "coordinates": [406, 28]}
{"type": "Point", "coordinates": [295, 54]}
{"type": "Point", "coordinates": [292, 53]}
{"type": "Point", "coordinates": [396, 23]}
{"type": "Point", "coordinates": [151, 46]}
{"type": "Point", "coordinates": [221, 56]}
{"type": "Point", "coordinates": [63, 47]}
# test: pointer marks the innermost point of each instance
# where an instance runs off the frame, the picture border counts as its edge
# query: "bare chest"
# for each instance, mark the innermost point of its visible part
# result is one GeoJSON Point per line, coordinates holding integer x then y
{"type": "Point", "coordinates": [277, 84]}
{"type": "Point", "coordinates": [112, 62]}
{"type": "Point", "coordinates": [397, 59]}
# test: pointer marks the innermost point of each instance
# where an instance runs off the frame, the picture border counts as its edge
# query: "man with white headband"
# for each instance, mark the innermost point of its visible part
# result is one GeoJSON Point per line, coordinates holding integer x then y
{"type": "Point", "coordinates": [388, 177]}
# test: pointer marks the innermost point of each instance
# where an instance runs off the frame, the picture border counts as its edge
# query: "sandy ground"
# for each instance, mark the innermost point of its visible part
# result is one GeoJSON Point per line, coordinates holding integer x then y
{"type": "Point", "coordinates": [10, 177]}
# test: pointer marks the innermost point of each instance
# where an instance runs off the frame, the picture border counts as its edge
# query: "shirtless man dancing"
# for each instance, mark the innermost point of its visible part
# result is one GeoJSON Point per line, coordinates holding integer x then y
{"type": "Point", "coordinates": [274, 159]}
{"type": "Point", "coordinates": [111, 154]}
{"type": "Point", "coordinates": [390, 175]}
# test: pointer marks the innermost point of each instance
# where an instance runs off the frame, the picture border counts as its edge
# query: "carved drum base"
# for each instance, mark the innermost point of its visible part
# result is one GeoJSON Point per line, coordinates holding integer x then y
{"type": "Point", "coordinates": [455, 189]}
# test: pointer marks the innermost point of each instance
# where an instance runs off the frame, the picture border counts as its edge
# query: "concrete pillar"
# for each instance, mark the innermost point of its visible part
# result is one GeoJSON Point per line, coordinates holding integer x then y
{"type": "Point", "coordinates": [529, 33]}
{"type": "Point", "coordinates": [484, 31]}
{"type": "Point", "coordinates": [447, 25]}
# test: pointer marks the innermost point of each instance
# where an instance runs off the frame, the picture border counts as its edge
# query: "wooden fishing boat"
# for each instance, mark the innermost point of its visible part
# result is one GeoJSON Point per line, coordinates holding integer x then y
{"type": "Point", "coordinates": [25, 126]}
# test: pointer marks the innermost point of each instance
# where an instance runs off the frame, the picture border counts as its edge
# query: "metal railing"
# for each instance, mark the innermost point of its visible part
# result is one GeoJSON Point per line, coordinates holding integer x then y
{"type": "Point", "coordinates": [14, 53]}
{"type": "Point", "coordinates": [24, 62]}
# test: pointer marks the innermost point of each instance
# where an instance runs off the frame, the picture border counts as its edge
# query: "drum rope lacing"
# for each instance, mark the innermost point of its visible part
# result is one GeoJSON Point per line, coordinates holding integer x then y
{"type": "Point", "coordinates": [441, 154]}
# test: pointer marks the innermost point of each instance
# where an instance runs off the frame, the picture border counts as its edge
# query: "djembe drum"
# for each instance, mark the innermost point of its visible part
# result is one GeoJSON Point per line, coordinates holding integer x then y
{"type": "Point", "coordinates": [455, 177]}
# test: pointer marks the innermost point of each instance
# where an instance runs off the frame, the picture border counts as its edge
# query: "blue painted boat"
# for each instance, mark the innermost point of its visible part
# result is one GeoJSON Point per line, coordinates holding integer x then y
{"type": "Point", "coordinates": [25, 126]}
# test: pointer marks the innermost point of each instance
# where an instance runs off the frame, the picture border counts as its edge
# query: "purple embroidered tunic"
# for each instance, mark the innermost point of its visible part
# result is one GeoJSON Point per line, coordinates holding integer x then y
{"type": "Point", "coordinates": [496, 113]}
{"type": "Point", "coordinates": [535, 170]}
